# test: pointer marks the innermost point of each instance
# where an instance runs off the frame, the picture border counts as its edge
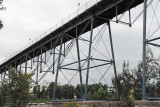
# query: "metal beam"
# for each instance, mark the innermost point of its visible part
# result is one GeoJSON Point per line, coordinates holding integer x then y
{"type": "Point", "coordinates": [79, 63]}
{"type": "Point", "coordinates": [153, 39]}
{"type": "Point", "coordinates": [153, 44]}
{"type": "Point", "coordinates": [26, 64]}
{"type": "Point", "coordinates": [37, 69]}
{"type": "Point", "coordinates": [95, 66]}
{"type": "Point", "coordinates": [58, 65]}
{"type": "Point", "coordinates": [89, 56]}
{"type": "Point", "coordinates": [144, 51]}
{"type": "Point", "coordinates": [113, 58]}
{"type": "Point", "coordinates": [41, 59]}
{"type": "Point", "coordinates": [73, 63]}
{"type": "Point", "coordinates": [69, 69]}
{"type": "Point", "coordinates": [53, 59]}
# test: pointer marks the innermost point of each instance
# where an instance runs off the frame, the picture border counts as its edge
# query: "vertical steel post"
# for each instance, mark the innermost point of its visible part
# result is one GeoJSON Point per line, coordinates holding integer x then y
{"type": "Point", "coordinates": [58, 65]}
{"type": "Point", "coordinates": [53, 59]}
{"type": "Point", "coordinates": [41, 60]}
{"type": "Point", "coordinates": [89, 56]}
{"type": "Point", "coordinates": [20, 65]}
{"type": "Point", "coordinates": [64, 49]}
{"type": "Point", "coordinates": [144, 50]}
{"type": "Point", "coordinates": [113, 58]}
{"type": "Point", "coordinates": [116, 14]}
{"type": "Point", "coordinates": [130, 18]}
{"type": "Point", "coordinates": [31, 63]}
{"type": "Point", "coordinates": [79, 64]}
{"type": "Point", "coordinates": [37, 69]}
{"type": "Point", "coordinates": [45, 58]}
{"type": "Point", "coordinates": [26, 65]}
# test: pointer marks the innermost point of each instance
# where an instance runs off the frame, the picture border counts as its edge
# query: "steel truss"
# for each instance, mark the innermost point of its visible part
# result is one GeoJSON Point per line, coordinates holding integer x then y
{"type": "Point", "coordinates": [146, 42]}
{"type": "Point", "coordinates": [38, 57]}
{"type": "Point", "coordinates": [88, 59]}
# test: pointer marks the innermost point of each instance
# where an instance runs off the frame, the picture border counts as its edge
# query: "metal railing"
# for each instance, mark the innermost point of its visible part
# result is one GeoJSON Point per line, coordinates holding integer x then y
{"type": "Point", "coordinates": [62, 22]}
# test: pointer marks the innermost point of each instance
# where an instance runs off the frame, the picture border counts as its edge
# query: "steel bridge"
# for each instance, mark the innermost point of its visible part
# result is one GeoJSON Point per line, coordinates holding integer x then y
{"type": "Point", "coordinates": [91, 17]}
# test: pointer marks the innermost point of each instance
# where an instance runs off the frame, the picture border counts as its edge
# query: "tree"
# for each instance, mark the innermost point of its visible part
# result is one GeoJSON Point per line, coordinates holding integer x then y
{"type": "Point", "coordinates": [18, 85]}
{"type": "Point", "coordinates": [125, 82]}
{"type": "Point", "coordinates": [100, 94]}
{"type": "Point", "coordinates": [4, 94]}
{"type": "Point", "coordinates": [1, 24]}
{"type": "Point", "coordinates": [152, 76]}
{"type": "Point", "coordinates": [78, 91]}
{"type": "Point", "coordinates": [131, 80]}
{"type": "Point", "coordinates": [50, 89]}
{"type": "Point", "coordinates": [44, 92]}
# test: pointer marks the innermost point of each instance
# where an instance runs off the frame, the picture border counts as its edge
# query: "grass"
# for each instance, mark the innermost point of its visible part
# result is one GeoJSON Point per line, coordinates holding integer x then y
{"type": "Point", "coordinates": [40, 101]}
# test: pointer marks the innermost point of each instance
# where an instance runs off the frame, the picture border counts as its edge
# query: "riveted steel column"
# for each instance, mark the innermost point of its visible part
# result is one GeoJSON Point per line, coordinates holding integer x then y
{"type": "Point", "coordinates": [58, 65]}
{"type": "Point", "coordinates": [41, 60]}
{"type": "Point", "coordinates": [113, 58]}
{"type": "Point", "coordinates": [53, 59]}
{"type": "Point", "coordinates": [130, 22]}
{"type": "Point", "coordinates": [144, 50]}
{"type": "Point", "coordinates": [20, 65]}
{"type": "Point", "coordinates": [26, 64]}
{"type": "Point", "coordinates": [89, 57]}
{"type": "Point", "coordinates": [79, 64]}
{"type": "Point", "coordinates": [37, 69]}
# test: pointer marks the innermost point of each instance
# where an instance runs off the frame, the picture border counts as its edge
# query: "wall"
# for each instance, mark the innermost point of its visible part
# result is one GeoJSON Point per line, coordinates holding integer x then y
{"type": "Point", "coordinates": [82, 104]}
{"type": "Point", "coordinates": [147, 103]}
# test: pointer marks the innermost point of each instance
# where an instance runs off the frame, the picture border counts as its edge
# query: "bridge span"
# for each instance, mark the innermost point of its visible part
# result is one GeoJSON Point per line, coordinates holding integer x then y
{"type": "Point", "coordinates": [102, 11]}
{"type": "Point", "coordinates": [91, 17]}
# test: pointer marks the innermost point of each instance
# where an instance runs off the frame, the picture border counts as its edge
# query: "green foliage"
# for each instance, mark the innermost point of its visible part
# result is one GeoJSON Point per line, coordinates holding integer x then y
{"type": "Point", "coordinates": [40, 101]}
{"type": "Point", "coordinates": [3, 95]}
{"type": "Point", "coordinates": [78, 91]}
{"type": "Point", "coordinates": [62, 92]}
{"type": "Point", "coordinates": [65, 92]}
{"type": "Point", "coordinates": [72, 104]}
{"type": "Point", "coordinates": [100, 94]}
{"type": "Point", "coordinates": [18, 87]}
{"type": "Point", "coordinates": [40, 92]}
{"type": "Point", "coordinates": [50, 89]}
{"type": "Point", "coordinates": [131, 80]}
{"type": "Point", "coordinates": [1, 24]}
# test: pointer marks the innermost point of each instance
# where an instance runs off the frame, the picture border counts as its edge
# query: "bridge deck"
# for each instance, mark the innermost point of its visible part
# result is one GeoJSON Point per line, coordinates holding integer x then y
{"type": "Point", "coordinates": [104, 8]}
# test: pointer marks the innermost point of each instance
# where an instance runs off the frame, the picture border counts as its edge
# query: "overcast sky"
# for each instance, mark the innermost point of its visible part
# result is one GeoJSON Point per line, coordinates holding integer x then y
{"type": "Point", "coordinates": [26, 19]}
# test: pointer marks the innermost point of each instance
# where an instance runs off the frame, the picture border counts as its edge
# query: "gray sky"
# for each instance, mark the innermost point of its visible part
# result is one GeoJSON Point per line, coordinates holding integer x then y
{"type": "Point", "coordinates": [27, 19]}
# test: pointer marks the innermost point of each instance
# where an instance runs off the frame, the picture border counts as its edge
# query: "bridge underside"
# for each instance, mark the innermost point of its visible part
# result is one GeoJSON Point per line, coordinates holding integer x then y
{"type": "Point", "coordinates": [95, 16]}
{"type": "Point", "coordinates": [102, 12]}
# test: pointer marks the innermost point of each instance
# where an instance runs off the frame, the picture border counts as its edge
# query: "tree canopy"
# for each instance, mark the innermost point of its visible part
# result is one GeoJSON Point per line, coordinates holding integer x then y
{"type": "Point", "coordinates": [1, 24]}
{"type": "Point", "coordinates": [130, 80]}
{"type": "Point", "coordinates": [17, 88]}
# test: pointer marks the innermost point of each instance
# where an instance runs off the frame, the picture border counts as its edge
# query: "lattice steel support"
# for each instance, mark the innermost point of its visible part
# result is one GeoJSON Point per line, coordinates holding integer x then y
{"type": "Point", "coordinates": [58, 65]}
{"type": "Point", "coordinates": [88, 59]}
{"type": "Point", "coordinates": [144, 50]}
{"type": "Point", "coordinates": [79, 63]}
{"type": "Point", "coordinates": [113, 59]}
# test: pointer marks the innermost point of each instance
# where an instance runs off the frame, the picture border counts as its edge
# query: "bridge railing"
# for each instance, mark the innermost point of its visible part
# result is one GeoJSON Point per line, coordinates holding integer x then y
{"type": "Point", "coordinates": [61, 23]}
